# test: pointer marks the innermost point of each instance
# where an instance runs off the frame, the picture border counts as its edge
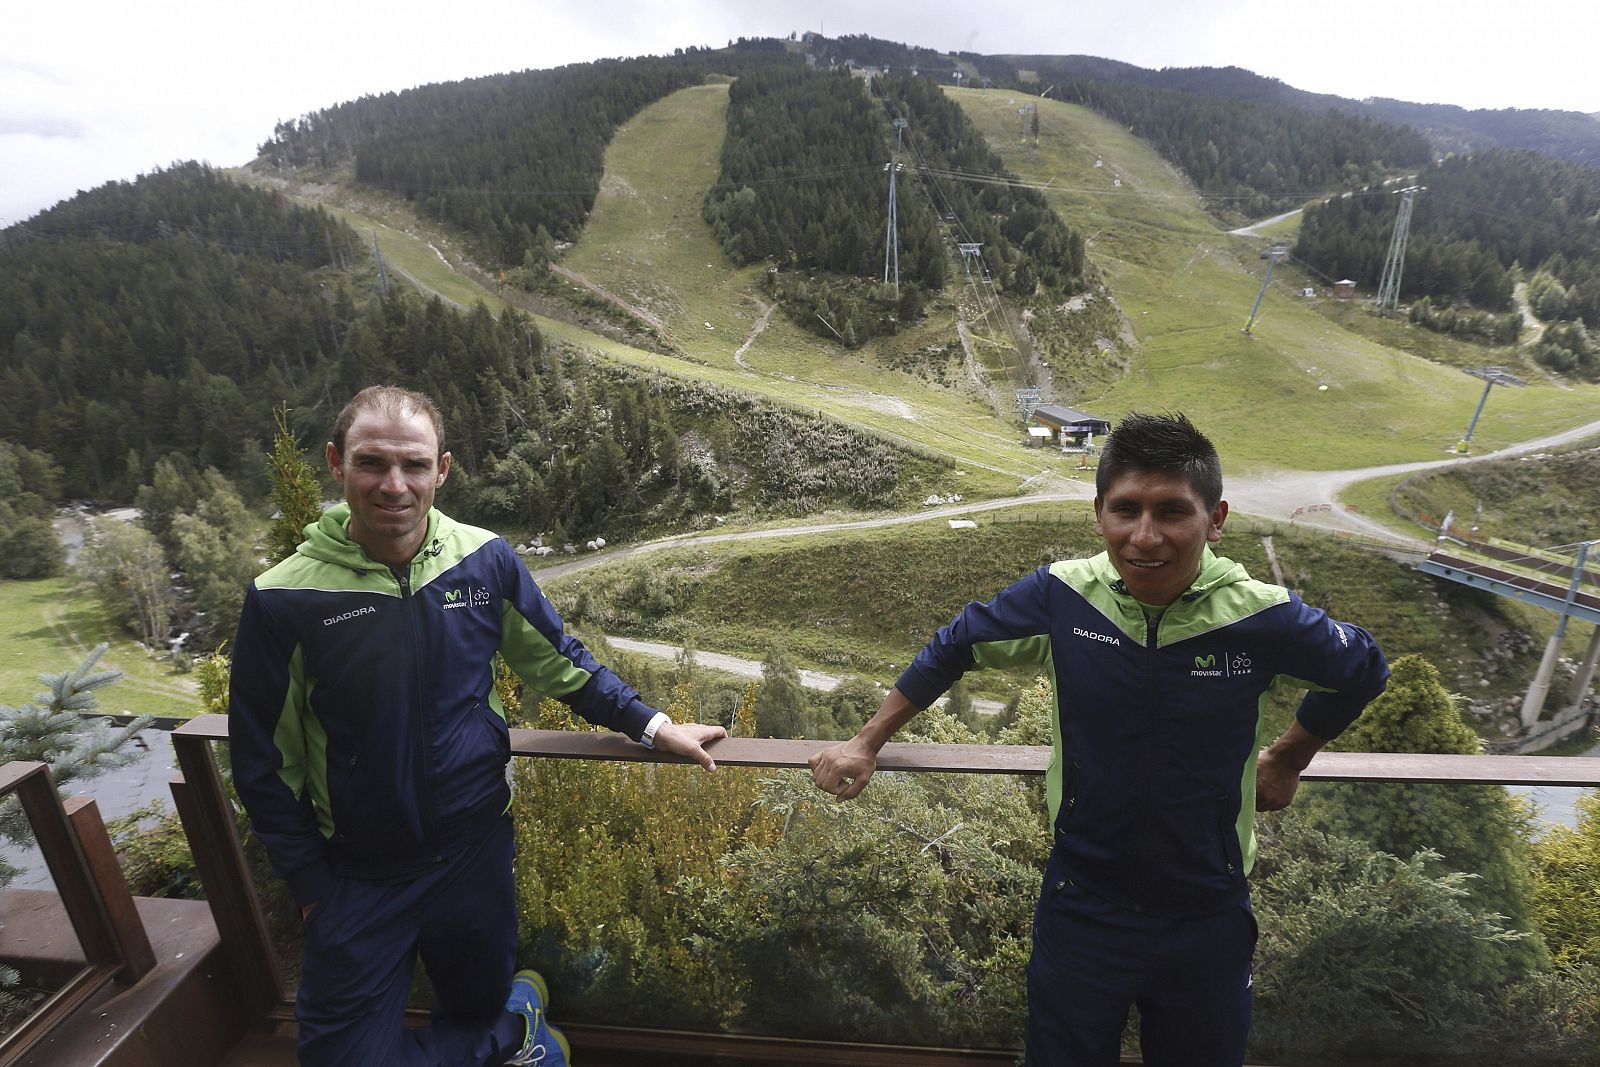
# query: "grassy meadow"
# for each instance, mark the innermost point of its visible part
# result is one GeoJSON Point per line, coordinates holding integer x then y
{"type": "Point", "coordinates": [1187, 288]}
{"type": "Point", "coordinates": [48, 627]}
{"type": "Point", "coordinates": [865, 601]}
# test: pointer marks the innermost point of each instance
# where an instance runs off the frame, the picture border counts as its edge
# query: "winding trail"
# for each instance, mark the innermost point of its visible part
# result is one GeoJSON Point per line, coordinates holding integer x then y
{"type": "Point", "coordinates": [755, 331]}
{"type": "Point", "coordinates": [1253, 230]}
{"type": "Point", "coordinates": [749, 668]}
{"type": "Point", "coordinates": [1269, 495]}
{"type": "Point", "coordinates": [1276, 494]}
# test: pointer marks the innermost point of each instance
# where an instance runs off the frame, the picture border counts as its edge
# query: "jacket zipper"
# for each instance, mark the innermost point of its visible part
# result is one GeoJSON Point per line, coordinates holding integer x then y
{"type": "Point", "coordinates": [419, 731]}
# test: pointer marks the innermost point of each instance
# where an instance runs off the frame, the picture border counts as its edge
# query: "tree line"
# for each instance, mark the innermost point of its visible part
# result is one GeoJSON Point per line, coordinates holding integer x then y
{"type": "Point", "coordinates": [1252, 159]}
{"type": "Point", "coordinates": [1250, 144]}
{"type": "Point", "coordinates": [1481, 220]}
{"type": "Point", "coordinates": [804, 186]}
{"type": "Point", "coordinates": [1028, 248]}
{"type": "Point", "coordinates": [512, 160]}
{"type": "Point", "coordinates": [166, 314]}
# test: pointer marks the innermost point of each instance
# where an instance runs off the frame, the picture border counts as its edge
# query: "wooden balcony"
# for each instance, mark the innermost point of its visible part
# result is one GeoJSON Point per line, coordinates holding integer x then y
{"type": "Point", "coordinates": [233, 1008]}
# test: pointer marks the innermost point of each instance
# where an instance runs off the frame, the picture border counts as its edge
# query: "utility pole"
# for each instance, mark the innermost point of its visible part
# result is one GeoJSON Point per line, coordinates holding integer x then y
{"type": "Point", "coordinates": [969, 250]}
{"type": "Point", "coordinates": [1492, 377]}
{"type": "Point", "coordinates": [383, 276]}
{"type": "Point", "coordinates": [1275, 253]}
{"type": "Point", "coordinates": [1394, 262]}
{"type": "Point", "coordinates": [891, 246]}
{"type": "Point", "coordinates": [1533, 702]}
{"type": "Point", "coordinates": [891, 243]}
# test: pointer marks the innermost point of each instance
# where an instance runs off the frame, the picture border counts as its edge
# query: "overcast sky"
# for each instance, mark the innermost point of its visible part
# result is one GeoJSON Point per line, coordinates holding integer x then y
{"type": "Point", "coordinates": [95, 90]}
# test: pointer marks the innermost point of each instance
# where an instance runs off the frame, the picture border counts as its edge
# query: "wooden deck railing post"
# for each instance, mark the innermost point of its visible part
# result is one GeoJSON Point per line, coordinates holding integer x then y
{"type": "Point", "coordinates": [208, 822]}
{"type": "Point", "coordinates": [133, 941]}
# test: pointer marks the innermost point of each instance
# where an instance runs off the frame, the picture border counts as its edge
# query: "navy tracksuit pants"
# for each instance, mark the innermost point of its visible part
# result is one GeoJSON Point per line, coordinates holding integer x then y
{"type": "Point", "coordinates": [362, 944]}
{"type": "Point", "coordinates": [1092, 960]}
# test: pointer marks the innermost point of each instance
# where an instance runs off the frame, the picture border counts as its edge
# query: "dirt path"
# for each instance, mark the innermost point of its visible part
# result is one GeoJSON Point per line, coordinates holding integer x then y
{"type": "Point", "coordinates": [1064, 490]}
{"type": "Point", "coordinates": [1532, 328]}
{"type": "Point", "coordinates": [1253, 230]}
{"type": "Point", "coordinates": [755, 331]}
{"type": "Point", "coordinates": [1278, 494]}
{"type": "Point", "coordinates": [632, 309]}
{"type": "Point", "coordinates": [1281, 495]}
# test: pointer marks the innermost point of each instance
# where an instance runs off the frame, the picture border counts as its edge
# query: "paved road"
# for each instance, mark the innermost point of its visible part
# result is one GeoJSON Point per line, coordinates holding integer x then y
{"type": "Point", "coordinates": [1270, 495]}
{"type": "Point", "coordinates": [1557, 805]}
{"type": "Point", "coordinates": [116, 793]}
{"type": "Point", "coordinates": [749, 668]}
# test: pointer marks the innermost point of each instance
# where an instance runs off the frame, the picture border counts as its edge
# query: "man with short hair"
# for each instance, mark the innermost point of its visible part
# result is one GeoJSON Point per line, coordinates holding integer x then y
{"type": "Point", "coordinates": [1161, 655]}
{"type": "Point", "coordinates": [370, 749]}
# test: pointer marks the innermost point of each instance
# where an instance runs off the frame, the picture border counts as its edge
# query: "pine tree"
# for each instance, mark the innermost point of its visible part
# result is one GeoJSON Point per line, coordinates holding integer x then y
{"type": "Point", "coordinates": [781, 708]}
{"type": "Point", "coordinates": [53, 730]}
{"type": "Point", "coordinates": [1478, 830]}
{"type": "Point", "coordinates": [296, 491]}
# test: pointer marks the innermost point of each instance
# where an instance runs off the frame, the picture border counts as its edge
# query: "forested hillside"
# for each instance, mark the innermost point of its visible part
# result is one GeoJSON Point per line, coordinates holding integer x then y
{"type": "Point", "coordinates": [1565, 135]}
{"type": "Point", "coordinates": [1025, 243]}
{"type": "Point", "coordinates": [803, 184]}
{"type": "Point", "coordinates": [165, 319]}
{"type": "Point", "coordinates": [513, 160]}
{"type": "Point", "coordinates": [166, 314]}
{"type": "Point", "coordinates": [1479, 216]}
{"type": "Point", "coordinates": [1254, 159]}
{"type": "Point", "coordinates": [1250, 157]}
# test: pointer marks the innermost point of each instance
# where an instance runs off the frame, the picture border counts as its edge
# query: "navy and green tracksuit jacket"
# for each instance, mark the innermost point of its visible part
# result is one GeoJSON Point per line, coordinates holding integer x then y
{"type": "Point", "coordinates": [1152, 783]}
{"type": "Point", "coordinates": [367, 738]}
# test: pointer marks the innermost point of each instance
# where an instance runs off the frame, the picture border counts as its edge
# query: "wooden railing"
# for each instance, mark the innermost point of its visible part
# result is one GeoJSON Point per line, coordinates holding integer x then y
{"type": "Point", "coordinates": [88, 881]}
{"type": "Point", "coordinates": [210, 825]}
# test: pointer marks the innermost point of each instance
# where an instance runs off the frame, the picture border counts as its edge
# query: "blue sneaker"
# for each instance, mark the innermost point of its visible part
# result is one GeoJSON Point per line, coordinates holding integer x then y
{"type": "Point", "coordinates": [544, 1045]}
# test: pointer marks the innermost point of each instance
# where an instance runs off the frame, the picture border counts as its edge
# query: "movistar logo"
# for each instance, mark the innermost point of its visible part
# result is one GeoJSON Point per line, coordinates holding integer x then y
{"type": "Point", "coordinates": [474, 597]}
{"type": "Point", "coordinates": [1091, 635]}
{"type": "Point", "coordinates": [1233, 664]}
{"type": "Point", "coordinates": [350, 615]}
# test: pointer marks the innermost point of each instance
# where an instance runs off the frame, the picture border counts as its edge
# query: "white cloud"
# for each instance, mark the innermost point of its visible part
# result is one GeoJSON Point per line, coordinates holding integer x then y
{"type": "Point", "coordinates": [95, 90]}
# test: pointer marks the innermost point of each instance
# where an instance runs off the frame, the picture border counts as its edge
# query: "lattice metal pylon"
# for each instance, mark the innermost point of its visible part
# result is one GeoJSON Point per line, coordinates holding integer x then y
{"type": "Point", "coordinates": [1394, 262]}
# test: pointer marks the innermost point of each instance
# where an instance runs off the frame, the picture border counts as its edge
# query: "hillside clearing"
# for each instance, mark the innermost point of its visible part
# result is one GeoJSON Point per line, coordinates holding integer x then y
{"type": "Point", "coordinates": [1187, 291]}
{"type": "Point", "coordinates": [47, 627]}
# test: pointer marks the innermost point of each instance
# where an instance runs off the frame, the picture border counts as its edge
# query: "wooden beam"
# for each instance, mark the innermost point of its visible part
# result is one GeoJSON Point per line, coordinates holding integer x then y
{"type": "Point", "coordinates": [1028, 759]}
{"type": "Point", "coordinates": [133, 941]}
{"type": "Point", "coordinates": [208, 823]}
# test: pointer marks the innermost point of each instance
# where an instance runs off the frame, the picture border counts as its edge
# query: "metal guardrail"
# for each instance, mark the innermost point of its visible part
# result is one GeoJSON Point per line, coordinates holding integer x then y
{"type": "Point", "coordinates": [238, 914]}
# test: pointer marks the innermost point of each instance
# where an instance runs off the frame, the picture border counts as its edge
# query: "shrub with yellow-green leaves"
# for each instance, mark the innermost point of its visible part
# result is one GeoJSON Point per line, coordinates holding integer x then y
{"type": "Point", "coordinates": [1566, 887]}
{"type": "Point", "coordinates": [604, 852]}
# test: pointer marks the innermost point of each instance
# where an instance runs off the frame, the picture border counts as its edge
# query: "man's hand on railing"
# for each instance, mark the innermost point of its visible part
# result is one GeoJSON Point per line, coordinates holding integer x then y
{"type": "Point", "coordinates": [688, 739]}
{"type": "Point", "coordinates": [844, 769]}
{"type": "Point", "coordinates": [1279, 766]}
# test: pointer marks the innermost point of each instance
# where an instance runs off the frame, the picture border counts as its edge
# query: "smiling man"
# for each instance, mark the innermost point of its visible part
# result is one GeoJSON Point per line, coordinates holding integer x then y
{"type": "Point", "coordinates": [369, 747]}
{"type": "Point", "coordinates": [1161, 655]}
